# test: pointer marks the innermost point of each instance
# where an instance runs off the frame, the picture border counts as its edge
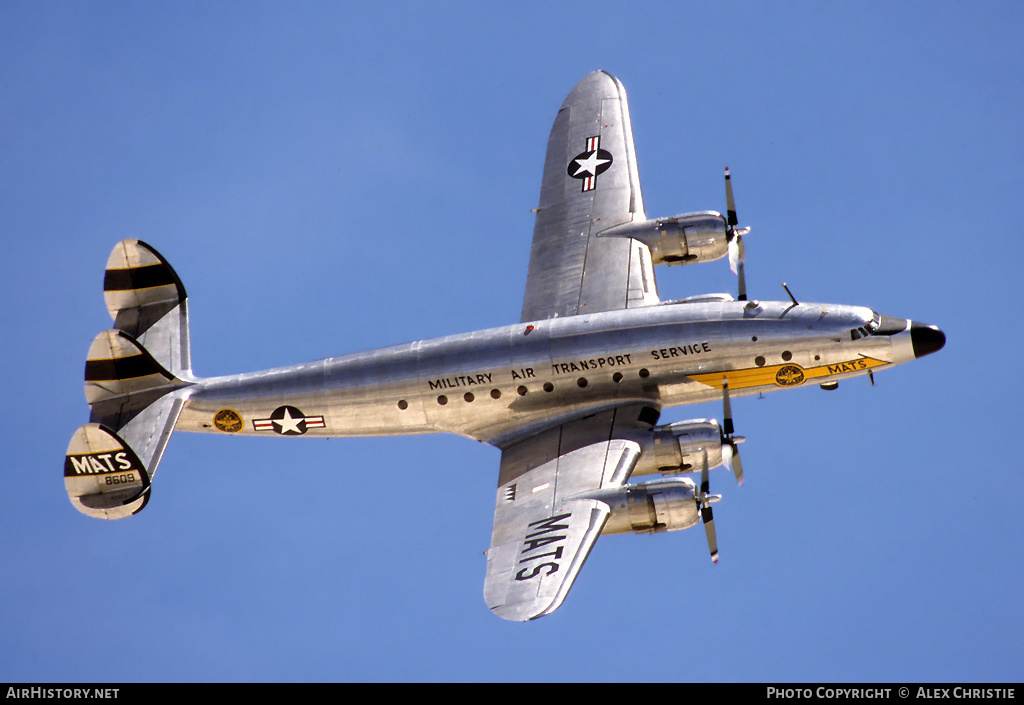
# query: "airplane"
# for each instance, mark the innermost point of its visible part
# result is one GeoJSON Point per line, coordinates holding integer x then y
{"type": "Point", "coordinates": [572, 394]}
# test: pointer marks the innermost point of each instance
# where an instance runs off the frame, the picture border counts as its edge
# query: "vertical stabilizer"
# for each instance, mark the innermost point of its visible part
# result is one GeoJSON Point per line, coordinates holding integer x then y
{"type": "Point", "coordinates": [147, 301]}
{"type": "Point", "coordinates": [137, 378]}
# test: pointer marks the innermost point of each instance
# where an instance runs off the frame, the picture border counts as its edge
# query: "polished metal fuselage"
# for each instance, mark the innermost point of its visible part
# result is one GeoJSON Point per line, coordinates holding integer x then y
{"type": "Point", "coordinates": [496, 385]}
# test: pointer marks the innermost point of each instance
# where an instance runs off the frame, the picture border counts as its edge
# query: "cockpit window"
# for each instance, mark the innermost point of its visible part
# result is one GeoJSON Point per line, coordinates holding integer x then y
{"type": "Point", "coordinates": [868, 328]}
{"type": "Point", "coordinates": [879, 325]}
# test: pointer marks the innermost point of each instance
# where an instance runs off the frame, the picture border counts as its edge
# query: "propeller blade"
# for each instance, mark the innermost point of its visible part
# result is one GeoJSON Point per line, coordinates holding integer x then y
{"type": "Point", "coordinates": [741, 290]}
{"type": "Point", "coordinates": [731, 459]}
{"type": "Point", "coordinates": [709, 529]}
{"type": "Point", "coordinates": [727, 426]}
{"type": "Point", "coordinates": [737, 466]}
{"type": "Point", "coordinates": [737, 254]}
{"type": "Point", "coordinates": [730, 450]}
{"type": "Point", "coordinates": [734, 236]}
{"type": "Point", "coordinates": [707, 515]}
{"type": "Point", "coordinates": [730, 203]}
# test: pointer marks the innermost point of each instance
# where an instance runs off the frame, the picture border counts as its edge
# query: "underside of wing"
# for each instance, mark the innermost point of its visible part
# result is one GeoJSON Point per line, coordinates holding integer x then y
{"type": "Point", "coordinates": [548, 513]}
{"type": "Point", "coordinates": [590, 184]}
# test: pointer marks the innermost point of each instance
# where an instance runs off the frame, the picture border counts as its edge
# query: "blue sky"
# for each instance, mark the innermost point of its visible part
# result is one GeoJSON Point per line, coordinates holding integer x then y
{"type": "Point", "coordinates": [333, 177]}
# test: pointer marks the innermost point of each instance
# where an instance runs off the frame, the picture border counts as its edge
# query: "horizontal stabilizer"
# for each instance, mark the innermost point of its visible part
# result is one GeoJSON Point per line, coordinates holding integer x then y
{"type": "Point", "coordinates": [103, 476]}
{"type": "Point", "coordinates": [122, 378]}
{"type": "Point", "coordinates": [107, 473]}
{"type": "Point", "coordinates": [147, 301]}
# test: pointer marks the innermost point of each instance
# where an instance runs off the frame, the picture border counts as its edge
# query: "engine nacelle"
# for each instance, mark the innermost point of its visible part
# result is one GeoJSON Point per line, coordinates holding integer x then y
{"type": "Point", "coordinates": [651, 507]}
{"type": "Point", "coordinates": [684, 446]}
{"type": "Point", "coordinates": [681, 239]}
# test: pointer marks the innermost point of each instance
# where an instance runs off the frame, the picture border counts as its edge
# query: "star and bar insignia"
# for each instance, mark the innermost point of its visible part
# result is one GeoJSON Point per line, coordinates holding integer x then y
{"type": "Point", "coordinates": [288, 421]}
{"type": "Point", "coordinates": [589, 164]}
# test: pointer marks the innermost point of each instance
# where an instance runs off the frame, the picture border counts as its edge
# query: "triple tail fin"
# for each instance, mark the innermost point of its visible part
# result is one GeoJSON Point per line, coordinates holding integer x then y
{"type": "Point", "coordinates": [137, 379]}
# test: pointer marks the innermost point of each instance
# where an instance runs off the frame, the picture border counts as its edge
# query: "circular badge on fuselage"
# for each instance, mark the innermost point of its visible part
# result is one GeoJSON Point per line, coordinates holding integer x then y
{"type": "Point", "coordinates": [789, 375]}
{"type": "Point", "coordinates": [228, 421]}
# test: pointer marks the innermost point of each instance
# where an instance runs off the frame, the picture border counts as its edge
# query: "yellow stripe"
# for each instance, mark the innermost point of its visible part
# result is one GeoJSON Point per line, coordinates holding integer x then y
{"type": "Point", "coordinates": [792, 375]}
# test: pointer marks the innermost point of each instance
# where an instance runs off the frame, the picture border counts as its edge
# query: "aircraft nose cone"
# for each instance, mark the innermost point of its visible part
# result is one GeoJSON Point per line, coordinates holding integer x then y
{"type": "Point", "coordinates": [926, 339]}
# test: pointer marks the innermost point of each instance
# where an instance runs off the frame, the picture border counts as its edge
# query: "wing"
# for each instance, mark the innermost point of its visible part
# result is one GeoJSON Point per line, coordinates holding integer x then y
{"type": "Point", "coordinates": [590, 184]}
{"type": "Point", "coordinates": [544, 522]}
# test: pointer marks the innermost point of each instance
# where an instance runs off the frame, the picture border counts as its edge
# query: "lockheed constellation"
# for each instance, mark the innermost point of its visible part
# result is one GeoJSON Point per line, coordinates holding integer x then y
{"type": "Point", "coordinates": [571, 395]}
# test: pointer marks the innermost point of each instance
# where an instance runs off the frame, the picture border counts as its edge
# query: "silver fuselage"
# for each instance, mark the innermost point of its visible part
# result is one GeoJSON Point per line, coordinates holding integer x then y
{"type": "Point", "coordinates": [490, 383]}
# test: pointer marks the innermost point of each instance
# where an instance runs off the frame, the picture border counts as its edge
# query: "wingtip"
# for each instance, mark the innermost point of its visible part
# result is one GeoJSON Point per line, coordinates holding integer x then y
{"type": "Point", "coordinates": [600, 83]}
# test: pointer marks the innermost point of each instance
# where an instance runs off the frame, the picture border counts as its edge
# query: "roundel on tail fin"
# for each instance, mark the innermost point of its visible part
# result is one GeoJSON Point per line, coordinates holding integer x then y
{"type": "Point", "coordinates": [103, 476]}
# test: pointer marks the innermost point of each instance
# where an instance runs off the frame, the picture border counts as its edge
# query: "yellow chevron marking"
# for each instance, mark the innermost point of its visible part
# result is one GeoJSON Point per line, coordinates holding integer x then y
{"type": "Point", "coordinates": [785, 375]}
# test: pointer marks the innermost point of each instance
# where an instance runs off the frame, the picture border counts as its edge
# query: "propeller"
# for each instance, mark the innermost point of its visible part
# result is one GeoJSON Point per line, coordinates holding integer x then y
{"type": "Point", "coordinates": [734, 236]}
{"type": "Point", "coordinates": [704, 501]}
{"type": "Point", "coordinates": [730, 443]}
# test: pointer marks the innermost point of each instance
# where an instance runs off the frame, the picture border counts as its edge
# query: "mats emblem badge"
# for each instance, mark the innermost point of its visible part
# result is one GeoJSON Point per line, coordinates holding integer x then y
{"type": "Point", "coordinates": [789, 375]}
{"type": "Point", "coordinates": [228, 421]}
